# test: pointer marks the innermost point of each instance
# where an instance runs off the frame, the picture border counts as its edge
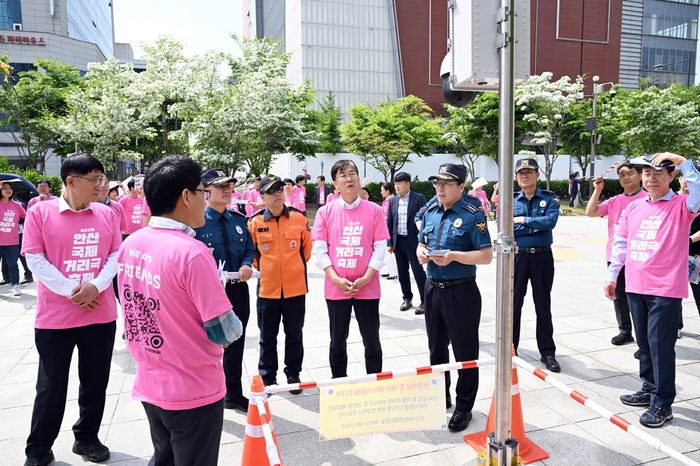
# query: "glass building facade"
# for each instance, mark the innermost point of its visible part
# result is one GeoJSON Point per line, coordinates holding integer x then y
{"type": "Point", "coordinates": [10, 13]}
{"type": "Point", "coordinates": [91, 21]}
{"type": "Point", "coordinates": [669, 41]}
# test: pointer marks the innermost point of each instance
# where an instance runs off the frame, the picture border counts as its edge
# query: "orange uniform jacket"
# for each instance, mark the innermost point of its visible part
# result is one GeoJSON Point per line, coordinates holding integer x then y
{"type": "Point", "coordinates": [282, 249]}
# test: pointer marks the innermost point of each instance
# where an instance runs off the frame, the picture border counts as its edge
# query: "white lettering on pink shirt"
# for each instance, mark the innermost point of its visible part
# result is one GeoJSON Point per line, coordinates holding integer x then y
{"type": "Point", "coordinates": [350, 235]}
{"type": "Point", "coordinates": [614, 209]}
{"type": "Point", "coordinates": [10, 214]}
{"type": "Point", "coordinates": [169, 286]}
{"type": "Point", "coordinates": [134, 212]}
{"type": "Point", "coordinates": [651, 267]}
{"type": "Point", "coordinates": [77, 244]}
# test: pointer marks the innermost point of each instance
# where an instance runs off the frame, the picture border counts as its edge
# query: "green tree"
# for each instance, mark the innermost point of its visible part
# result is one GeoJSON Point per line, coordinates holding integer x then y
{"type": "Point", "coordinates": [258, 115]}
{"type": "Point", "coordinates": [655, 120]}
{"type": "Point", "coordinates": [385, 136]}
{"type": "Point", "coordinates": [576, 140]}
{"type": "Point", "coordinates": [472, 131]}
{"type": "Point", "coordinates": [113, 108]}
{"type": "Point", "coordinates": [31, 102]}
{"type": "Point", "coordinates": [329, 123]}
{"type": "Point", "coordinates": [546, 106]}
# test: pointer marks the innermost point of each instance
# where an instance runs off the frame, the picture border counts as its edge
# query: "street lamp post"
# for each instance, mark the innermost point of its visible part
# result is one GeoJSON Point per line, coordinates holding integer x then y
{"type": "Point", "coordinates": [662, 65]}
{"type": "Point", "coordinates": [597, 89]}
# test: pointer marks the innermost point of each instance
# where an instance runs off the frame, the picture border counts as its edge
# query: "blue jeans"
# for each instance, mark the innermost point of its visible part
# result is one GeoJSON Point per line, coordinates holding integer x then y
{"type": "Point", "coordinates": [11, 255]}
{"type": "Point", "coordinates": [655, 326]}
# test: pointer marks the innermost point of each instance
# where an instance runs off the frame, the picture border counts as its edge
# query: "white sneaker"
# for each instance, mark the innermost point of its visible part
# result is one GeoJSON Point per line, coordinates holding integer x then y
{"type": "Point", "coordinates": [17, 291]}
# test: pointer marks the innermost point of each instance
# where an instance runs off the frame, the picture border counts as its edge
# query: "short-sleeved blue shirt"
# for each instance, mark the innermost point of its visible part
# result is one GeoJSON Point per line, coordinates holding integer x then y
{"type": "Point", "coordinates": [239, 239]}
{"type": "Point", "coordinates": [459, 228]}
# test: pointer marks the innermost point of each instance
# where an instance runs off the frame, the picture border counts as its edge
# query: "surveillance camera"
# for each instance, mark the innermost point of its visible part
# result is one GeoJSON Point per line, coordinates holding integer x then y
{"type": "Point", "coordinates": [613, 93]}
{"type": "Point", "coordinates": [455, 98]}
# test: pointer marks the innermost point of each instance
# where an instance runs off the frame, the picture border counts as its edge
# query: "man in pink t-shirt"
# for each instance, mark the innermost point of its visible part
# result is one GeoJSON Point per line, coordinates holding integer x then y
{"type": "Point", "coordinates": [71, 247]}
{"type": "Point", "coordinates": [655, 256]}
{"type": "Point", "coordinates": [176, 318]}
{"type": "Point", "coordinates": [630, 179]}
{"type": "Point", "coordinates": [44, 188]}
{"type": "Point", "coordinates": [133, 209]}
{"type": "Point", "coordinates": [299, 190]}
{"type": "Point", "coordinates": [351, 236]}
{"type": "Point", "coordinates": [252, 195]}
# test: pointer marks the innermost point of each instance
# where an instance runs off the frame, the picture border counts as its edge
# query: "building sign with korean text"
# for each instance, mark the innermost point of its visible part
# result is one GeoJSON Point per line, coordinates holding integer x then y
{"type": "Point", "coordinates": [21, 40]}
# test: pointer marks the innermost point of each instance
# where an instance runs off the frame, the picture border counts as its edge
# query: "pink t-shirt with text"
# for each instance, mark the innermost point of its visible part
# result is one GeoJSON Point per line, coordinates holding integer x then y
{"type": "Point", "coordinates": [649, 268]}
{"type": "Point", "coordinates": [252, 195]}
{"type": "Point", "coordinates": [169, 286]}
{"type": "Point", "coordinates": [293, 201]}
{"type": "Point", "coordinates": [10, 214]}
{"type": "Point", "coordinates": [350, 234]}
{"type": "Point", "coordinates": [134, 212]}
{"type": "Point", "coordinates": [614, 208]}
{"type": "Point", "coordinates": [300, 193]}
{"type": "Point", "coordinates": [118, 210]}
{"type": "Point", "coordinates": [77, 244]}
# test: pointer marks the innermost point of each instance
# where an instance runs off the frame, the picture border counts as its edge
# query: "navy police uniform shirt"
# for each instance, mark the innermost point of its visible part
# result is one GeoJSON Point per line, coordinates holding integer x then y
{"type": "Point", "coordinates": [459, 228]}
{"type": "Point", "coordinates": [242, 248]}
{"type": "Point", "coordinates": [541, 214]}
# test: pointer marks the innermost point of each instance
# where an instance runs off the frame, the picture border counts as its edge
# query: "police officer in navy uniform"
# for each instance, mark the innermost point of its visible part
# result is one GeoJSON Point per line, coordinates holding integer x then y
{"type": "Point", "coordinates": [453, 239]}
{"type": "Point", "coordinates": [535, 214]}
{"type": "Point", "coordinates": [226, 234]}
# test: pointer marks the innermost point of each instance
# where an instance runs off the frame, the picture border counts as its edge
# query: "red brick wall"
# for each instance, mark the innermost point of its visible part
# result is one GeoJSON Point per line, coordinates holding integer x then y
{"type": "Point", "coordinates": [578, 19]}
{"type": "Point", "coordinates": [420, 57]}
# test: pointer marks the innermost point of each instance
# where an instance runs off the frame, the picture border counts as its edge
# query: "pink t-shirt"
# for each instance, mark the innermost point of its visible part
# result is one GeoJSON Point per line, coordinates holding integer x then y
{"type": "Point", "coordinates": [385, 207]}
{"type": "Point", "coordinates": [614, 208]}
{"type": "Point", "coordinates": [169, 286]}
{"type": "Point", "coordinates": [118, 210]}
{"type": "Point", "coordinates": [657, 246]}
{"type": "Point", "coordinates": [300, 192]}
{"type": "Point", "coordinates": [234, 196]}
{"type": "Point", "coordinates": [252, 195]}
{"type": "Point", "coordinates": [77, 244]}
{"type": "Point", "coordinates": [483, 198]}
{"type": "Point", "coordinates": [146, 209]}
{"type": "Point", "coordinates": [350, 234]}
{"type": "Point", "coordinates": [134, 211]}
{"type": "Point", "coordinates": [293, 201]}
{"type": "Point", "coordinates": [10, 214]}
{"type": "Point", "coordinates": [37, 199]}
{"type": "Point", "coordinates": [332, 197]}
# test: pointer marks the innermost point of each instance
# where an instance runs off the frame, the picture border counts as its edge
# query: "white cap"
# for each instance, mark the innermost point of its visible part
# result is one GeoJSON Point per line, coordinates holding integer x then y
{"type": "Point", "coordinates": [479, 182]}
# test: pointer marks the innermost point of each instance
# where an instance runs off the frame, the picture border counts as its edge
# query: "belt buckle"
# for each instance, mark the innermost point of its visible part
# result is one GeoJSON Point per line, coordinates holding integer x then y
{"type": "Point", "coordinates": [532, 250]}
{"type": "Point", "coordinates": [441, 284]}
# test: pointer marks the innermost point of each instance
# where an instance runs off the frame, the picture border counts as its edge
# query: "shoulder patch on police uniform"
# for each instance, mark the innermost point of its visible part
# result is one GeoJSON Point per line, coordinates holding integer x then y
{"type": "Point", "coordinates": [472, 208]}
{"type": "Point", "coordinates": [481, 226]}
{"type": "Point", "coordinates": [472, 196]}
{"type": "Point", "coordinates": [260, 230]}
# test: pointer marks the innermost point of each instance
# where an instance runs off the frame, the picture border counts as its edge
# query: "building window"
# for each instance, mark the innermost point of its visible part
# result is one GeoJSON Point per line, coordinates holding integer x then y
{"type": "Point", "coordinates": [10, 14]}
{"type": "Point", "coordinates": [669, 42]}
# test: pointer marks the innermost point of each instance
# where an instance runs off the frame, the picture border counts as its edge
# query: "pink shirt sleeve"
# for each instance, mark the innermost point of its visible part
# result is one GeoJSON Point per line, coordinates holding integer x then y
{"type": "Point", "coordinates": [202, 270]}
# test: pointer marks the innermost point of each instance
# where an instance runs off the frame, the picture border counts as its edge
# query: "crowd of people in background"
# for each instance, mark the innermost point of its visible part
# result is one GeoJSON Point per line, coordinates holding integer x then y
{"type": "Point", "coordinates": [166, 244]}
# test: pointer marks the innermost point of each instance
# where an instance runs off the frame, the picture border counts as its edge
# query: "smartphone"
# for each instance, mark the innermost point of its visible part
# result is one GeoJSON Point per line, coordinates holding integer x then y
{"type": "Point", "coordinates": [439, 252]}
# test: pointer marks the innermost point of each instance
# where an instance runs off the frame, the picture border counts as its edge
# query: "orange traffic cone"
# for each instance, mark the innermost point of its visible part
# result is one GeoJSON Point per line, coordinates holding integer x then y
{"type": "Point", "coordinates": [528, 451]}
{"type": "Point", "coordinates": [254, 449]}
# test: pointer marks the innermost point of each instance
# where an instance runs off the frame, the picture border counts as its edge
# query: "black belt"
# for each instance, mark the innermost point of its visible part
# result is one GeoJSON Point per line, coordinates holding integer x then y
{"type": "Point", "coordinates": [401, 236]}
{"type": "Point", "coordinates": [450, 283]}
{"type": "Point", "coordinates": [535, 250]}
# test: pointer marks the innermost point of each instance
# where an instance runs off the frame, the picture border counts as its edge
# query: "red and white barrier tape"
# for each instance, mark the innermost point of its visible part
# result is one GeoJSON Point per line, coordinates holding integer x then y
{"type": "Point", "coordinates": [610, 416]}
{"type": "Point", "coordinates": [270, 389]}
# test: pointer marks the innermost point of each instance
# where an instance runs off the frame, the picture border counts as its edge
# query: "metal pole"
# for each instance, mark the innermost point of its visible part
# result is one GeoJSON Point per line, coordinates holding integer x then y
{"type": "Point", "coordinates": [504, 244]}
{"type": "Point", "coordinates": [593, 135]}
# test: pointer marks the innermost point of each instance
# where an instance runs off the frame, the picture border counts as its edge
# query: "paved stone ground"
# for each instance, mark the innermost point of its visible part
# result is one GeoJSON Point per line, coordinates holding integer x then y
{"type": "Point", "coordinates": [572, 434]}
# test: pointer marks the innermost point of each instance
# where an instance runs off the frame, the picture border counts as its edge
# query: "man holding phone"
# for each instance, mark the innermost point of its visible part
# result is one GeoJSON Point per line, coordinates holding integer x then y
{"type": "Point", "coordinates": [452, 240]}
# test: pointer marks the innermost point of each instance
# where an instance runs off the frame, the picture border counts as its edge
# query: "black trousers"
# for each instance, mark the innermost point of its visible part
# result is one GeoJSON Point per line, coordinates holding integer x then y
{"type": "Point", "coordinates": [622, 309]}
{"type": "Point", "coordinates": [239, 298]}
{"type": "Point", "coordinates": [538, 269]}
{"type": "Point", "coordinates": [291, 312]}
{"type": "Point", "coordinates": [453, 315]}
{"type": "Point", "coordinates": [95, 344]}
{"type": "Point", "coordinates": [405, 251]}
{"type": "Point", "coordinates": [367, 315]}
{"type": "Point", "coordinates": [185, 438]}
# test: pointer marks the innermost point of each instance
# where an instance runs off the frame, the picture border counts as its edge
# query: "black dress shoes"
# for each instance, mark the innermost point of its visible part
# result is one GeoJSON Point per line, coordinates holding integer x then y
{"type": "Point", "coordinates": [43, 460]}
{"type": "Point", "coordinates": [26, 280]}
{"type": "Point", "coordinates": [407, 304]}
{"type": "Point", "coordinates": [294, 379]}
{"type": "Point", "coordinates": [621, 339]}
{"type": "Point", "coordinates": [239, 403]}
{"type": "Point", "coordinates": [551, 363]}
{"type": "Point", "coordinates": [460, 421]}
{"type": "Point", "coordinates": [420, 310]}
